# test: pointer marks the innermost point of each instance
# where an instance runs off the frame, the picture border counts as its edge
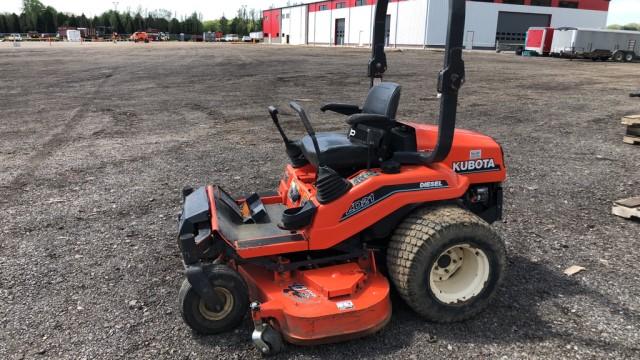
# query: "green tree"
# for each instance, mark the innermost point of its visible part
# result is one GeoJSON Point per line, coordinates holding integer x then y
{"type": "Point", "coordinates": [25, 24]}
{"type": "Point", "coordinates": [32, 10]}
{"type": "Point", "coordinates": [127, 23]}
{"type": "Point", "coordinates": [48, 20]}
{"type": "Point", "coordinates": [3, 24]}
{"type": "Point", "coordinates": [115, 23]}
{"type": "Point", "coordinates": [175, 27]}
{"type": "Point", "coordinates": [224, 25]}
{"type": "Point", "coordinates": [13, 23]}
{"type": "Point", "coordinates": [138, 22]}
{"type": "Point", "coordinates": [211, 25]}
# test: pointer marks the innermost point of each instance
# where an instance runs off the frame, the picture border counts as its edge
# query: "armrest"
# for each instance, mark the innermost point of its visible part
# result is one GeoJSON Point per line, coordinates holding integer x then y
{"type": "Point", "coordinates": [374, 120]}
{"type": "Point", "coordinates": [344, 109]}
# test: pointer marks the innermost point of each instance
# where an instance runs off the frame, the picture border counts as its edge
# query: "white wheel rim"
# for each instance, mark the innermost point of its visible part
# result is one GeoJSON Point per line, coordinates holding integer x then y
{"type": "Point", "coordinates": [459, 274]}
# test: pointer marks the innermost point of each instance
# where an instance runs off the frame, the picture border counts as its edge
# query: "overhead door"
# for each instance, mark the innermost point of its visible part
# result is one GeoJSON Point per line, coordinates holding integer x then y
{"type": "Point", "coordinates": [512, 26]}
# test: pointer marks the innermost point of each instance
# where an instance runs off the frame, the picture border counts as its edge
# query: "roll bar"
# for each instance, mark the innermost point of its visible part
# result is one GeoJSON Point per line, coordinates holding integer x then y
{"type": "Point", "coordinates": [450, 80]}
{"type": "Point", "coordinates": [378, 61]}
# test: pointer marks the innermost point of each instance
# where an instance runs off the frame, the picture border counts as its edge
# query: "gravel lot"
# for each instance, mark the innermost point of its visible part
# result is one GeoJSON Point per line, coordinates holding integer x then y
{"type": "Point", "coordinates": [97, 140]}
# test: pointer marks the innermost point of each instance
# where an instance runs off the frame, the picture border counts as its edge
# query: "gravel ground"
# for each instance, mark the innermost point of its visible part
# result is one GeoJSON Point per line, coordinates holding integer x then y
{"type": "Point", "coordinates": [96, 141]}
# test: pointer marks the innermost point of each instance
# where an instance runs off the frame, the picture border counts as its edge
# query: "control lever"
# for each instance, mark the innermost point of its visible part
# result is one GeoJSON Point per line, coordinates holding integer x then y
{"type": "Point", "coordinates": [329, 184]}
{"type": "Point", "coordinates": [307, 125]}
{"type": "Point", "coordinates": [293, 151]}
{"type": "Point", "coordinates": [273, 111]}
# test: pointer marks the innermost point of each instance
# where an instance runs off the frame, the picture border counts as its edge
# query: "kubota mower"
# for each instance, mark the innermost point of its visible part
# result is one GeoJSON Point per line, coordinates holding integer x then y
{"type": "Point", "coordinates": [306, 260]}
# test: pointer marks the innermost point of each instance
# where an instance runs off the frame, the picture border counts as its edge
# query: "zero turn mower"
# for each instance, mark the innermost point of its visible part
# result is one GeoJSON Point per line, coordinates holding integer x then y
{"type": "Point", "coordinates": [305, 260]}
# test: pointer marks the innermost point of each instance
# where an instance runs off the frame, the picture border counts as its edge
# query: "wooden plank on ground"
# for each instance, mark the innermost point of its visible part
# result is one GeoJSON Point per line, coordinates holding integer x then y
{"type": "Point", "coordinates": [627, 208]}
{"type": "Point", "coordinates": [631, 140]}
{"type": "Point", "coordinates": [631, 120]}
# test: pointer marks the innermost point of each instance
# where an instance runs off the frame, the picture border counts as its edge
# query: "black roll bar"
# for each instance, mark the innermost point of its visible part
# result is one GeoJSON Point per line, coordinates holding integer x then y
{"type": "Point", "coordinates": [450, 80]}
{"type": "Point", "coordinates": [378, 61]}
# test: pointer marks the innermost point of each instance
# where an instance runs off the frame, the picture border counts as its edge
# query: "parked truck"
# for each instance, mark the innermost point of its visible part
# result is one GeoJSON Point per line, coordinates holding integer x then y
{"type": "Point", "coordinates": [140, 36]}
{"type": "Point", "coordinates": [595, 44]}
{"type": "Point", "coordinates": [539, 41]}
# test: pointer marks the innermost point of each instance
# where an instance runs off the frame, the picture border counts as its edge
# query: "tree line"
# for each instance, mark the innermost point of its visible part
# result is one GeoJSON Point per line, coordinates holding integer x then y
{"type": "Point", "coordinates": [631, 26]}
{"type": "Point", "coordinates": [35, 16]}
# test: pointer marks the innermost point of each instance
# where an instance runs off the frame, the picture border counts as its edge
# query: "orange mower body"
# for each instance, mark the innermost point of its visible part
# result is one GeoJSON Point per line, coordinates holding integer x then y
{"type": "Point", "coordinates": [305, 259]}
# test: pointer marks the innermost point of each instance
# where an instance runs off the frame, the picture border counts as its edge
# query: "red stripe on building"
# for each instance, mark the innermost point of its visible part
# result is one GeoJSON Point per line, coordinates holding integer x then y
{"type": "Point", "coordinates": [271, 18]}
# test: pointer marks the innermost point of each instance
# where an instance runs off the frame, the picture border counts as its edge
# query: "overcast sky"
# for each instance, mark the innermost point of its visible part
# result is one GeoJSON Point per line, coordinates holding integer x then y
{"type": "Point", "coordinates": [621, 11]}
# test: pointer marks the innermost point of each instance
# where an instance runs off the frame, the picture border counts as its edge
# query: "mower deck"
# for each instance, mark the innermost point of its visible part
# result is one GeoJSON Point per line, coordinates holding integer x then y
{"type": "Point", "coordinates": [321, 305]}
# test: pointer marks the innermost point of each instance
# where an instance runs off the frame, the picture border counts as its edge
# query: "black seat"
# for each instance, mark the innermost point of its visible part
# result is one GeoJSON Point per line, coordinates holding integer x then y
{"type": "Point", "coordinates": [383, 99]}
{"type": "Point", "coordinates": [350, 151]}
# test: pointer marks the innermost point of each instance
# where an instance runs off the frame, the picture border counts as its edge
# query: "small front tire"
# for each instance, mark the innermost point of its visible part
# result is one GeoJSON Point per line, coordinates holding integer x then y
{"type": "Point", "coordinates": [230, 287]}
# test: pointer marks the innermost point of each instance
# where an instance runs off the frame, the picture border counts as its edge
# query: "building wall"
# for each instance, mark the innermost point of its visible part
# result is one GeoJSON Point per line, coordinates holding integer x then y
{"type": "Point", "coordinates": [294, 24]}
{"type": "Point", "coordinates": [271, 24]}
{"type": "Point", "coordinates": [482, 20]}
{"type": "Point", "coordinates": [422, 22]}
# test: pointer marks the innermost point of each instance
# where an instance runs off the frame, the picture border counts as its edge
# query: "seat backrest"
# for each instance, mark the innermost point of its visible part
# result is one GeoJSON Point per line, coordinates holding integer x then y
{"type": "Point", "coordinates": [383, 99]}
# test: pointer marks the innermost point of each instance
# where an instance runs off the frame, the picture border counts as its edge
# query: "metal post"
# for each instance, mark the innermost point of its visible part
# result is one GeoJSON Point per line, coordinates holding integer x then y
{"type": "Point", "coordinates": [426, 24]}
{"type": "Point", "coordinates": [330, 23]}
{"type": "Point", "coordinates": [395, 41]}
{"type": "Point", "coordinates": [349, 28]}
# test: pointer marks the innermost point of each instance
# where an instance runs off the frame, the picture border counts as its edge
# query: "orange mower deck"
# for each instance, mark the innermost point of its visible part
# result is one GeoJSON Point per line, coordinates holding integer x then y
{"type": "Point", "coordinates": [329, 304]}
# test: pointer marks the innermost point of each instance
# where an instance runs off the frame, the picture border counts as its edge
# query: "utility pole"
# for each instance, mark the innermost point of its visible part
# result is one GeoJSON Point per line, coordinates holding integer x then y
{"type": "Point", "coordinates": [115, 5]}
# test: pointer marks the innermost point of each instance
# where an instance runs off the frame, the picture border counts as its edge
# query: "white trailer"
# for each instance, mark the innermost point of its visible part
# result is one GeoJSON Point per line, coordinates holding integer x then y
{"type": "Point", "coordinates": [74, 35]}
{"type": "Point", "coordinates": [256, 35]}
{"type": "Point", "coordinates": [620, 45]}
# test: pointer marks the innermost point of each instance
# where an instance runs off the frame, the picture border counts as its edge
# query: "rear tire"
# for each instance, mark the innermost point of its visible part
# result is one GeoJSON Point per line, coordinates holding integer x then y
{"type": "Point", "coordinates": [618, 56]}
{"type": "Point", "coordinates": [629, 57]}
{"type": "Point", "coordinates": [230, 287]}
{"type": "Point", "coordinates": [446, 263]}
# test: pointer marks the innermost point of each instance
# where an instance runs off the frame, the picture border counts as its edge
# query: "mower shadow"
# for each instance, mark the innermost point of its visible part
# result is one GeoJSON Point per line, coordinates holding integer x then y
{"type": "Point", "coordinates": [513, 317]}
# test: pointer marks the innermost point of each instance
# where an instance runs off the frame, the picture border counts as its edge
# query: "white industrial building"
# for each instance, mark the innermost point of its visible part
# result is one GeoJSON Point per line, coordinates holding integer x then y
{"type": "Point", "coordinates": [418, 23]}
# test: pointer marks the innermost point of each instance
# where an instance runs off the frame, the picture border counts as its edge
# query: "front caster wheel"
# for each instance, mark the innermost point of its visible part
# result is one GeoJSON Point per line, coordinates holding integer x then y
{"type": "Point", "coordinates": [267, 340]}
{"type": "Point", "coordinates": [446, 263]}
{"type": "Point", "coordinates": [230, 287]}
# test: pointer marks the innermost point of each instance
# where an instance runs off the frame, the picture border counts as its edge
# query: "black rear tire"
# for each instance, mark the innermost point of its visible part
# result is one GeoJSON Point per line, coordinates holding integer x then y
{"type": "Point", "coordinates": [629, 57]}
{"type": "Point", "coordinates": [423, 239]}
{"type": "Point", "coordinates": [618, 56]}
{"type": "Point", "coordinates": [231, 287]}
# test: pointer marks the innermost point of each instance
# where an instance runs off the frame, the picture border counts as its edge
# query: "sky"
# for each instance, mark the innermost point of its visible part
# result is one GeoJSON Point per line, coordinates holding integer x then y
{"type": "Point", "coordinates": [620, 11]}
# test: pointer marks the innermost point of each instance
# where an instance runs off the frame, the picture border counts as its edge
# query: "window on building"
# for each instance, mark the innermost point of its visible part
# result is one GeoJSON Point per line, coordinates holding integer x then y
{"type": "Point", "coordinates": [266, 18]}
{"type": "Point", "coordinates": [323, 7]}
{"type": "Point", "coordinates": [568, 4]}
{"type": "Point", "coordinates": [541, 2]}
{"type": "Point", "coordinates": [361, 2]}
{"type": "Point", "coordinates": [514, 2]}
{"type": "Point", "coordinates": [339, 5]}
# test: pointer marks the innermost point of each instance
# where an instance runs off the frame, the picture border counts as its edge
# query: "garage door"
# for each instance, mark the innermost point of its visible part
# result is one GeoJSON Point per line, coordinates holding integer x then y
{"type": "Point", "coordinates": [512, 27]}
